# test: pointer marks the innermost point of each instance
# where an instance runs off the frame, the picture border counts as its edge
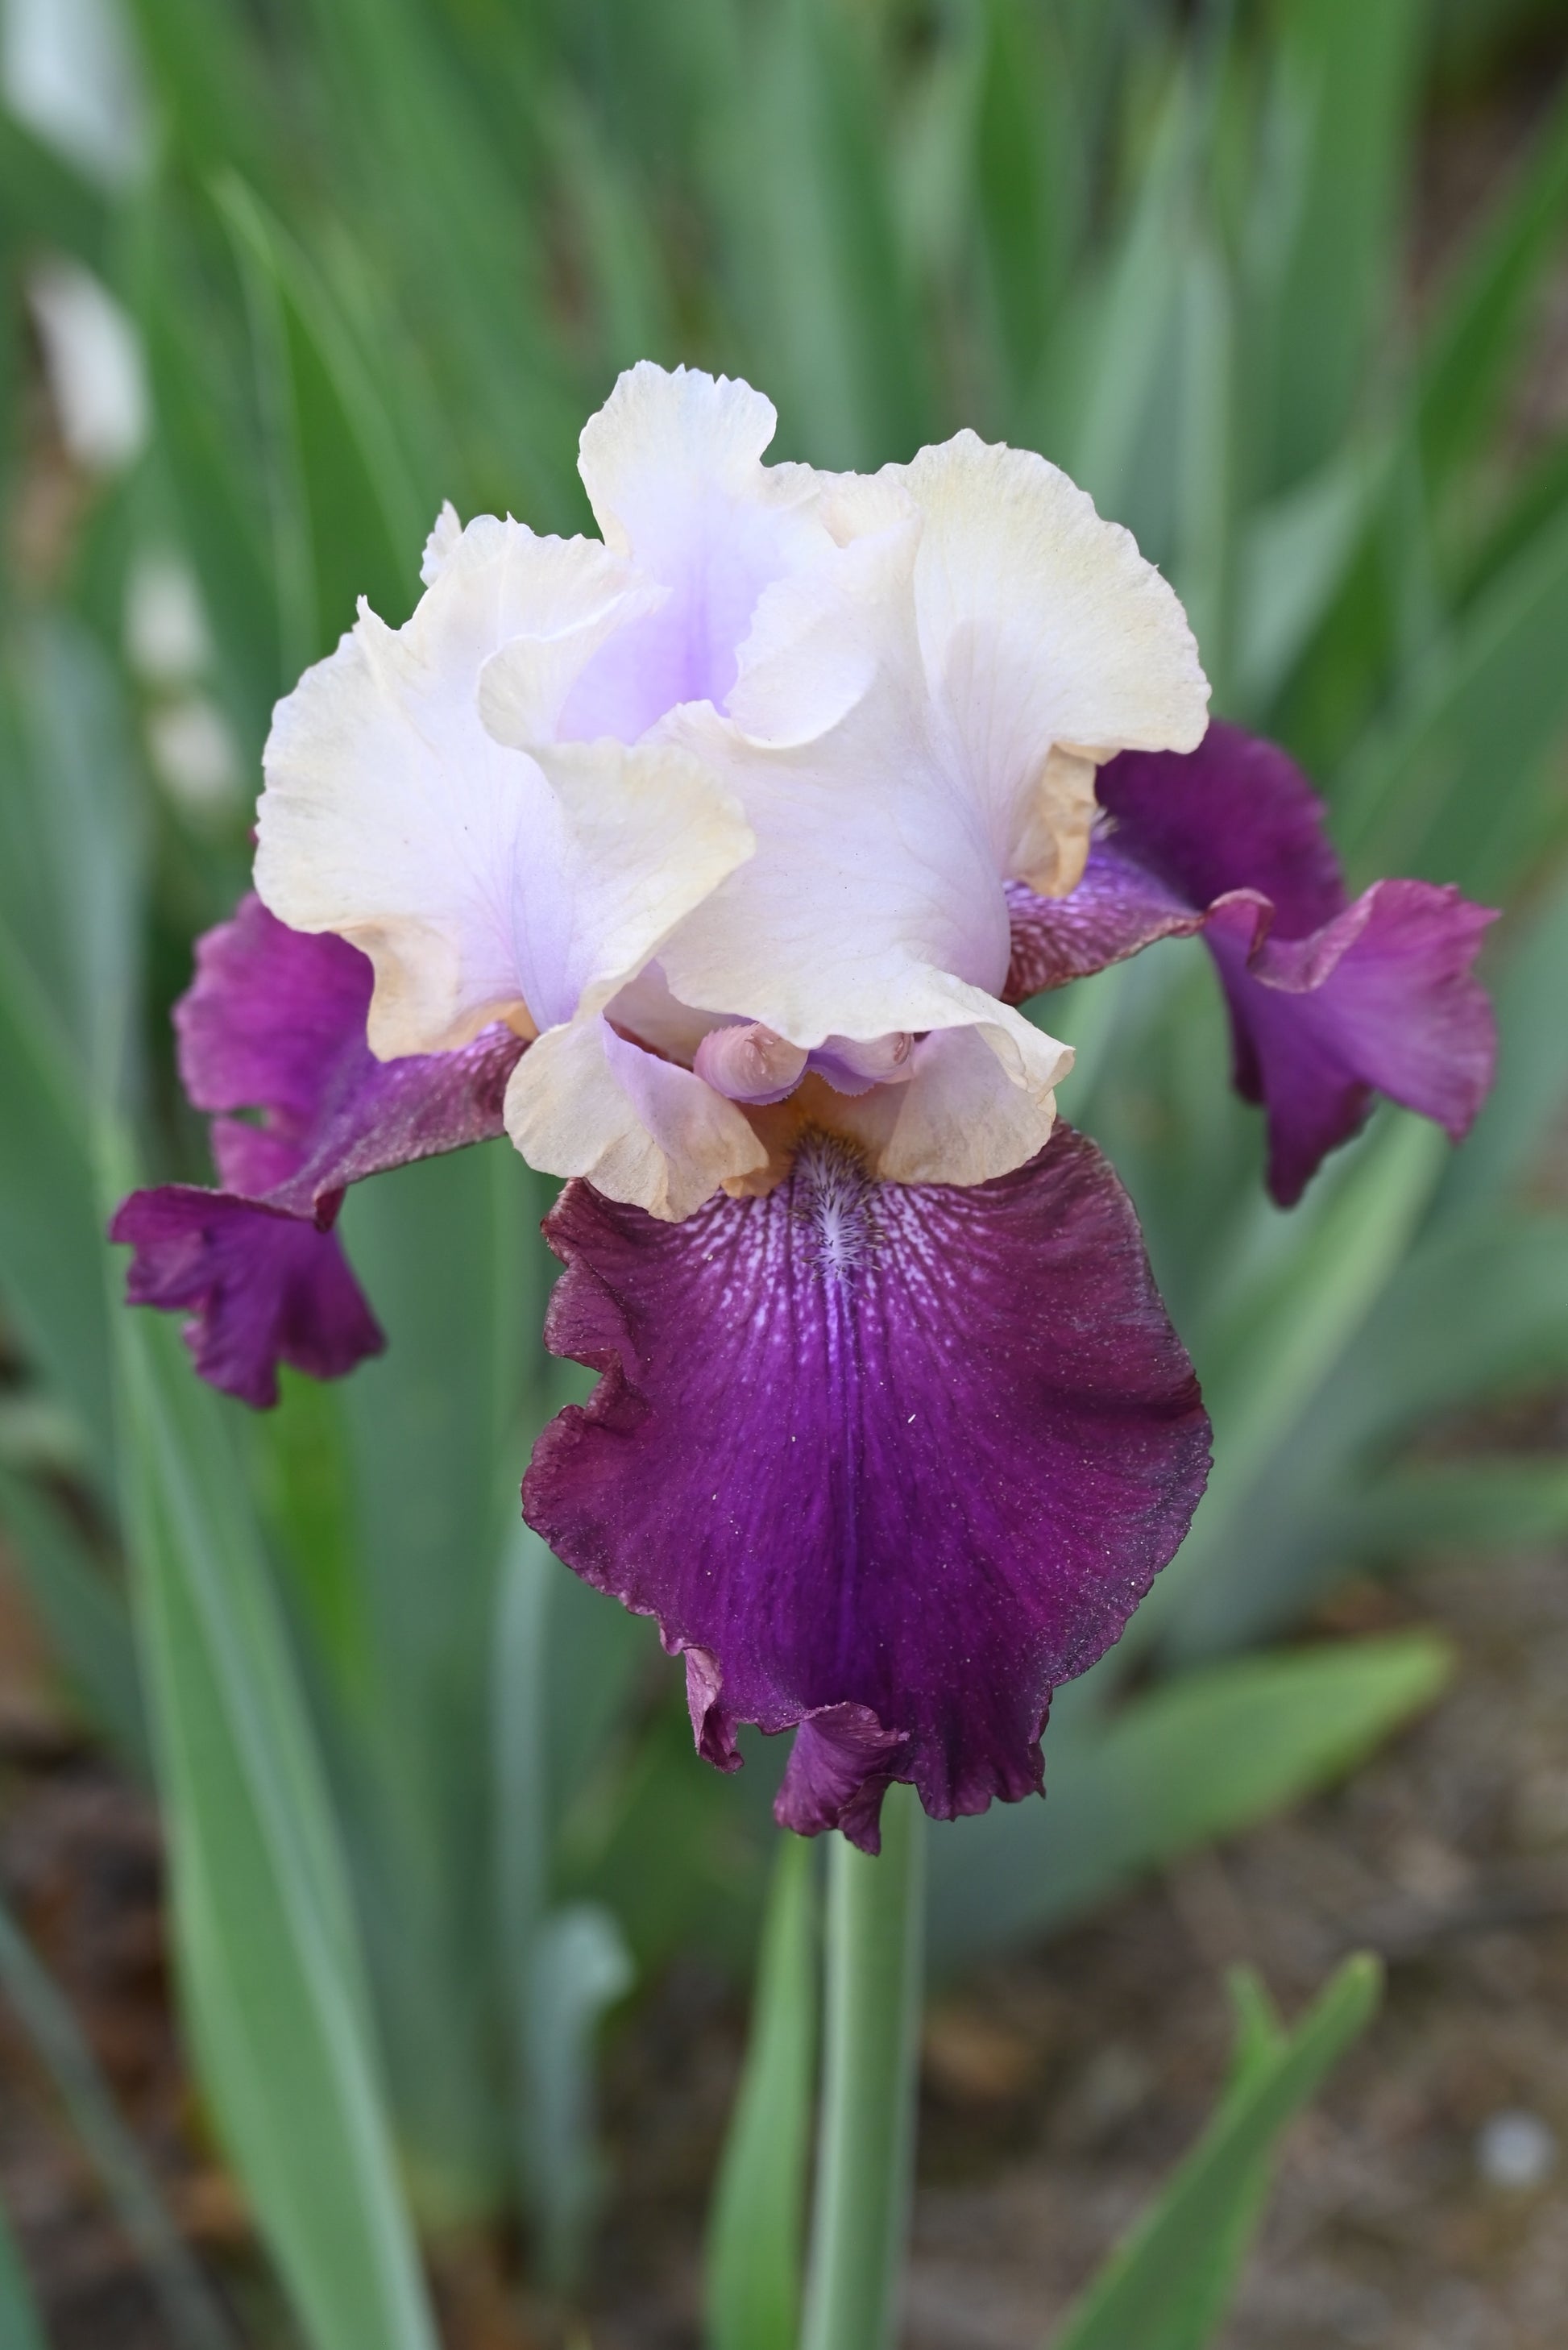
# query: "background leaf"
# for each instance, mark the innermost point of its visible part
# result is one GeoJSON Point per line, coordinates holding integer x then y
{"type": "Point", "coordinates": [1194, 1760]}
{"type": "Point", "coordinates": [756, 2231]}
{"type": "Point", "coordinates": [1168, 2284]}
{"type": "Point", "coordinates": [194, 2319]}
{"type": "Point", "coordinates": [19, 2325]}
{"type": "Point", "coordinates": [263, 1926]}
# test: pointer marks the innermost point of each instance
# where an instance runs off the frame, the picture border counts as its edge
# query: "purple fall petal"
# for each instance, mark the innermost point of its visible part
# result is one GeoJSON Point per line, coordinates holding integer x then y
{"type": "Point", "coordinates": [275, 1022]}
{"type": "Point", "coordinates": [269, 1017]}
{"type": "Point", "coordinates": [1235, 814]}
{"type": "Point", "coordinates": [1329, 1002]}
{"type": "Point", "coordinates": [886, 1462]}
{"type": "Point", "coordinates": [260, 1286]}
{"type": "Point", "coordinates": [1380, 999]}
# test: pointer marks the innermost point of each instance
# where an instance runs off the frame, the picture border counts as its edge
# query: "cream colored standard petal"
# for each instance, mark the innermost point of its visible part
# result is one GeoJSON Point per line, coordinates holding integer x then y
{"type": "Point", "coordinates": [665, 429]}
{"type": "Point", "coordinates": [1042, 625]}
{"type": "Point", "coordinates": [822, 640]}
{"type": "Point", "coordinates": [390, 815]}
{"type": "Point", "coordinates": [960, 1118]}
{"type": "Point", "coordinates": [1052, 846]}
{"type": "Point", "coordinates": [584, 1101]}
{"type": "Point", "coordinates": [672, 464]}
{"type": "Point", "coordinates": [496, 582]}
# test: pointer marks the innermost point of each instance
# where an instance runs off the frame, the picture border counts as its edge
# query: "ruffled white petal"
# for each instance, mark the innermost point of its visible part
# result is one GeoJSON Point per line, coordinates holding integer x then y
{"type": "Point", "coordinates": [646, 832]}
{"type": "Point", "coordinates": [584, 1101]}
{"type": "Point", "coordinates": [473, 881]}
{"type": "Point", "coordinates": [874, 902]}
{"type": "Point", "coordinates": [445, 536]}
{"type": "Point", "coordinates": [672, 465]}
{"type": "Point", "coordinates": [874, 906]}
{"type": "Point", "coordinates": [765, 757]}
{"type": "Point", "coordinates": [1041, 627]}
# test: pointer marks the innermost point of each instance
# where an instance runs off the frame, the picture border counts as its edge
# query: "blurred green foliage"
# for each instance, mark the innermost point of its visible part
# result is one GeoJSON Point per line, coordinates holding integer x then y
{"type": "Point", "coordinates": [430, 1799]}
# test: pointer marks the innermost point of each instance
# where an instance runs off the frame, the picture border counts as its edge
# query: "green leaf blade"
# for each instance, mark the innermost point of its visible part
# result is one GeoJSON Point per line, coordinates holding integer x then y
{"type": "Point", "coordinates": [756, 2229]}
{"type": "Point", "coordinates": [1168, 2284]}
{"type": "Point", "coordinates": [261, 1909]}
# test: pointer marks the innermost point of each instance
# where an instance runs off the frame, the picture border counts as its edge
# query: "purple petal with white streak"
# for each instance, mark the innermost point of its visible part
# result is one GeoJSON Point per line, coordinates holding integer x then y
{"type": "Point", "coordinates": [886, 1461]}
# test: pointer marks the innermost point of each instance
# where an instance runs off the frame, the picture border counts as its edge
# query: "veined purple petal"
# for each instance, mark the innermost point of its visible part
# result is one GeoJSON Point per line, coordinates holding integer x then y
{"type": "Point", "coordinates": [1116, 910]}
{"type": "Point", "coordinates": [275, 1022]}
{"type": "Point", "coordinates": [886, 1461]}
{"type": "Point", "coordinates": [1329, 1002]}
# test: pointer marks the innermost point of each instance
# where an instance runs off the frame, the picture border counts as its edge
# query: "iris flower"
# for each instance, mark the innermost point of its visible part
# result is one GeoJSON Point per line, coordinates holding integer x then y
{"type": "Point", "coordinates": [712, 861]}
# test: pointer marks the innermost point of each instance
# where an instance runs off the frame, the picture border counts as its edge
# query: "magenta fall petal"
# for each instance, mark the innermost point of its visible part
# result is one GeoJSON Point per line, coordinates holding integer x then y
{"type": "Point", "coordinates": [275, 1022]}
{"type": "Point", "coordinates": [887, 1462]}
{"type": "Point", "coordinates": [1330, 1001]}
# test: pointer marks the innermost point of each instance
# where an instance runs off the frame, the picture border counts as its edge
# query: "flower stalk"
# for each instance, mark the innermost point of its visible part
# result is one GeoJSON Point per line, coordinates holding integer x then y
{"type": "Point", "coordinates": [875, 1966]}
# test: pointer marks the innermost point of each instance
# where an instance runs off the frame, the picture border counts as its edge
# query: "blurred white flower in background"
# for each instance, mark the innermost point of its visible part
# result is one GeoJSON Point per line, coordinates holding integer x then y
{"type": "Point", "coordinates": [194, 755]}
{"type": "Point", "coordinates": [93, 364]}
{"type": "Point", "coordinates": [169, 645]}
{"type": "Point", "coordinates": [69, 71]}
{"type": "Point", "coordinates": [166, 637]}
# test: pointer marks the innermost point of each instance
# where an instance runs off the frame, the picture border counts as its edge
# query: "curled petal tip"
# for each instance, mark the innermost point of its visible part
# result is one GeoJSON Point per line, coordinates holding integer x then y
{"type": "Point", "coordinates": [840, 1767]}
{"type": "Point", "coordinates": [852, 1065]}
{"type": "Point", "coordinates": [750, 1063]}
{"type": "Point", "coordinates": [257, 1286]}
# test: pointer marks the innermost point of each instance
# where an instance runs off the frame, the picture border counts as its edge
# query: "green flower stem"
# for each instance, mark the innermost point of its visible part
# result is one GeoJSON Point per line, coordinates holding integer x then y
{"type": "Point", "coordinates": [865, 2147]}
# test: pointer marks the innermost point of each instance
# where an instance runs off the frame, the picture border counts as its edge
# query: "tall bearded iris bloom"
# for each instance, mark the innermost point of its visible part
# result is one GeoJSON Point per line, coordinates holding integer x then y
{"type": "Point", "coordinates": [712, 859]}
